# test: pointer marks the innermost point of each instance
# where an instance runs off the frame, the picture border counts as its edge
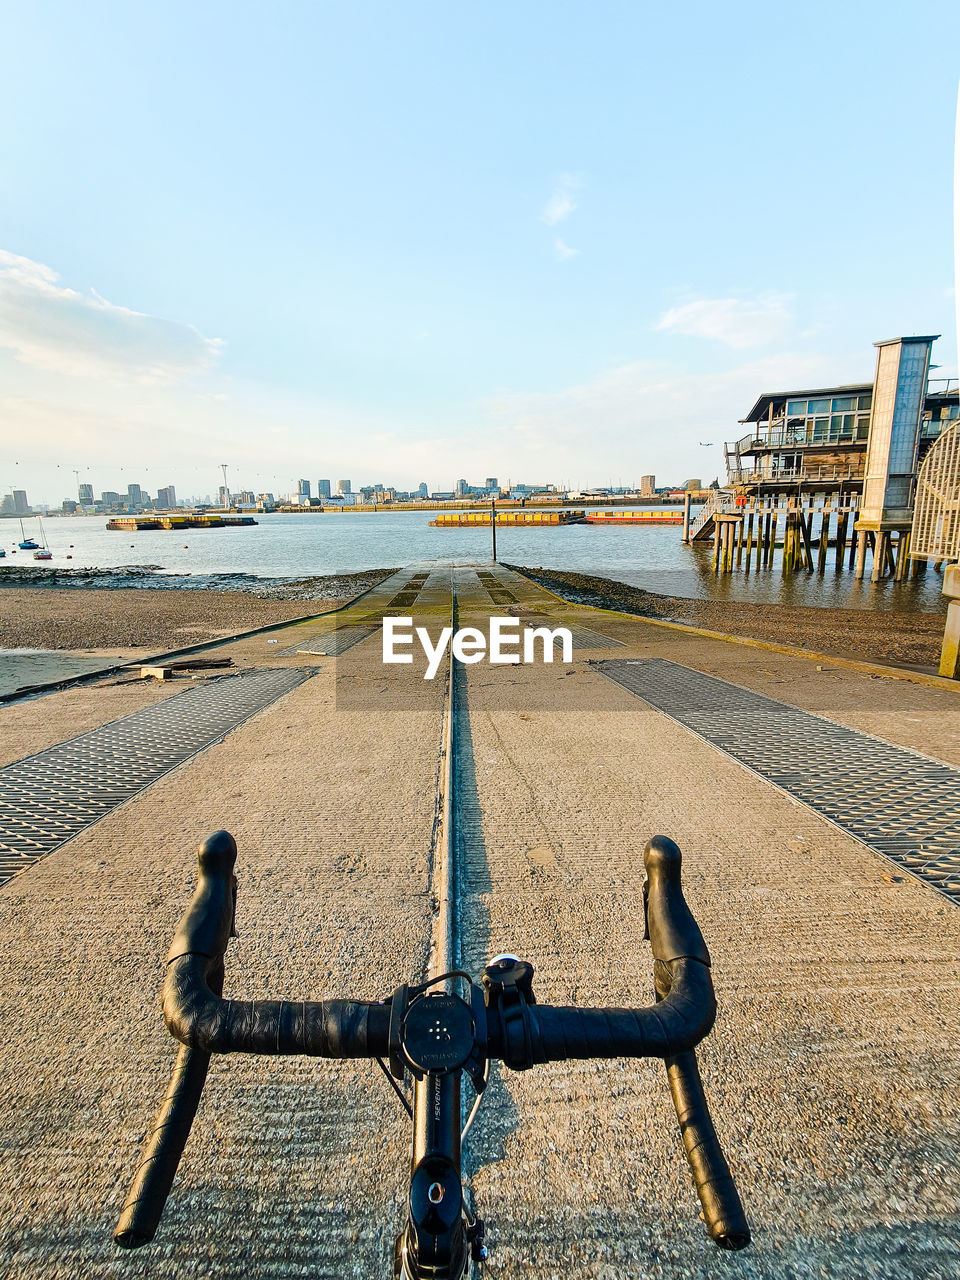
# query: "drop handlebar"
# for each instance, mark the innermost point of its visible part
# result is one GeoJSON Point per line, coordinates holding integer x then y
{"type": "Point", "coordinates": [509, 1025]}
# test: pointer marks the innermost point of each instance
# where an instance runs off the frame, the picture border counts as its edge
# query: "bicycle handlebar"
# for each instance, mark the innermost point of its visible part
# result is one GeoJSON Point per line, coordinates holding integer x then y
{"type": "Point", "coordinates": [205, 1023]}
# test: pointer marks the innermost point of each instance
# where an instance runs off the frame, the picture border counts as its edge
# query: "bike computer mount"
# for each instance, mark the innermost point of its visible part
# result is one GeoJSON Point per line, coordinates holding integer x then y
{"type": "Point", "coordinates": [438, 1033]}
{"type": "Point", "coordinates": [435, 1034]}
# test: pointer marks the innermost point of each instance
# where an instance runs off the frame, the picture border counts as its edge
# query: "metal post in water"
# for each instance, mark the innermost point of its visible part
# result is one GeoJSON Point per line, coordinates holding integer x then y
{"type": "Point", "coordinates": [493, 526]}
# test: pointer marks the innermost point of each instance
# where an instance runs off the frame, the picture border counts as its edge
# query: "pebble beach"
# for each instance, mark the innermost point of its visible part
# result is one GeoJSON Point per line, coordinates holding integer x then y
{"type": "Point", "coordinates": [78, 611]}
{"type": "Point", "coordinates": [902, 637]}
{"type": "Point", "coordinates": [77, 617]}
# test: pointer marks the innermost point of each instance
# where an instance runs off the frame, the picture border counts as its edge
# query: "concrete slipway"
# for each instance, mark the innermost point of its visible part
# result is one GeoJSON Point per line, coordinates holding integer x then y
{"type": "Point", "coordinates": [833, 1070]}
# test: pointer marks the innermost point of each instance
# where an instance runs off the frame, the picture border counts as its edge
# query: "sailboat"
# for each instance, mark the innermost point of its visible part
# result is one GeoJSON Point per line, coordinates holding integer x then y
{"type": "Point", "coordinates": [27, 544]}
{"type": "Point", "coordinates": [43, 552]}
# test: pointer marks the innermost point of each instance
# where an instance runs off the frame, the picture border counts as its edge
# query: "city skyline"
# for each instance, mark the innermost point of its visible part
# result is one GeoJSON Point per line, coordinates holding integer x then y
{"type": "Point", "coordinates": [442, 247]}
{"type": "Point", "coordinates": [88, 500]}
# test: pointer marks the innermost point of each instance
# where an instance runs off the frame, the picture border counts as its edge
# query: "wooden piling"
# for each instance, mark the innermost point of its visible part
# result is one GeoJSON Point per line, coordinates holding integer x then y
{"type": "Point", "coordinates": [842, 517]}
{"type": "Point", "coordinates": [824, 537]}
{"type": "Point", "coordinates": [804, 532]}
{"type": "Point", "coordinates": [861, 543]}
{"type": "Point", "coordinates": [749, 535]}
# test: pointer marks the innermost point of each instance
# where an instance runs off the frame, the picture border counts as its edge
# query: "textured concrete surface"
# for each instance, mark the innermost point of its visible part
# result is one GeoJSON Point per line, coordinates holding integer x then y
{"type": "Point", "coordinates": [833, 1070]}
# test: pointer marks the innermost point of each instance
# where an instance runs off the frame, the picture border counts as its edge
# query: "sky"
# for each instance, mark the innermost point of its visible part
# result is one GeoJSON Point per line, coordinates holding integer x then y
{"type": "Point", "coordinates": [559, 242]}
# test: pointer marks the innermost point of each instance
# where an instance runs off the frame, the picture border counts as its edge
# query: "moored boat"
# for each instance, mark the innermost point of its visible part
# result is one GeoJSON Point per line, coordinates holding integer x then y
{"type": "Point", "coordinates": [506, 519]}
{"type": "Point", "coordinates": [43, 552]}
{"type": "Point", "coordinates": [633, 517]}
{"type": "Point", "coordinates": [27, 544]}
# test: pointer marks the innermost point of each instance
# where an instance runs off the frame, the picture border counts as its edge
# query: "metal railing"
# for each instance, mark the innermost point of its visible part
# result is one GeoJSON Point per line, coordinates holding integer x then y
{"type": "Point", "coordinates": [739, 475]}
{"type": "Point", "coordinates": [720, 502]}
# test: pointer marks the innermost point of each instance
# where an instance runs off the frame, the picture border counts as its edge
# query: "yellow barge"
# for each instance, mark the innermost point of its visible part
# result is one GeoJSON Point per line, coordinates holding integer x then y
{"type": "Point", "coordinates": [134, 524]}
{"type": "Point", "coordinates": [634, 517]}
{"type": "Point", "coordinates": [510, 519]}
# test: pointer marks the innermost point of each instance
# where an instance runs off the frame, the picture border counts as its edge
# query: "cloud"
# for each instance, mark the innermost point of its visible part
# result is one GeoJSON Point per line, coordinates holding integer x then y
{"type": "Point", "coordinates": [644, 416]}
{"type": "Point", "coordinates": [561, 204]}
{"type": "Point", "coordinates": [54, 328]}
{"type": "Point", "coordinates": [563, 250]}
{"type": "Point", "coordinates": [738, 322]}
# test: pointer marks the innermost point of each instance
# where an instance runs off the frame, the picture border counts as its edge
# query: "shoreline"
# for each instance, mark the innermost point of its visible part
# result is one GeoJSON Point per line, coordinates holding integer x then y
{"type": "Point", "coordinates": [900, 638]}
{"type": "Point", "coordinates": [135, 607]}
{"type": "Point", "coordinates": [79, 618]}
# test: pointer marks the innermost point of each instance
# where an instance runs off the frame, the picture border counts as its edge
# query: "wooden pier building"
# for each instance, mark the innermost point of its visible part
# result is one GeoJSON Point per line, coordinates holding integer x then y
{"type": "Point", "coordinates": [831, 467]}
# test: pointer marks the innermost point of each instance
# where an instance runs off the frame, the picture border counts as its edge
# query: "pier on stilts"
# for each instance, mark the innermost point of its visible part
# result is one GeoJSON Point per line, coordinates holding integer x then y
{"type": "Point", "coordinates": [813, 531]}
{"type": "Point", "coordinates": [826, 479]}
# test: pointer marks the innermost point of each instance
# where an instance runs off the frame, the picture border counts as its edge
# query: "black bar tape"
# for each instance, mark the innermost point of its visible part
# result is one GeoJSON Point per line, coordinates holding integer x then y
{"type": "Point", "coordinates": [722, 1208]}
{"type": "Point", "coordinates": [675, 1024]}
{"type": "Point", "coordinates": [323, 1029]}
{"type": "Point", "coordinates": [673, 930]}
{"type": "Point", "coordinates": [164, 1147]}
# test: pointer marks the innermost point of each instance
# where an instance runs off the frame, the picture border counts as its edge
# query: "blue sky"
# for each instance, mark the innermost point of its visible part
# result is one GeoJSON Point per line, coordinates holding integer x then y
{"type": "Point", "coordinates": [417, 241]}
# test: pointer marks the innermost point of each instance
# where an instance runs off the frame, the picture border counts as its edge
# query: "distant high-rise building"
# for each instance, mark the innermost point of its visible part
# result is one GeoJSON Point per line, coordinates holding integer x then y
{"type": "Point", "coordinates": [323, 488]}
{"type": "Point", "coordinates": [86, 495]}
{"type": "Point", "coordinates": [303, 488]}
{"type": "Point", "coordinates": [223, 496]}
{"type": "Point", "coordinates": [134, 495]}
{"type": "Point", "coordinates": [167, 498]}
{"type": "Point", "coordinates": [20, 504]}
{"type": "Point", "coordinates": [108, 496]}
{"type": "Point", "coordinates": [648, 486]}
{"type": "Point", "coordinates": [693, 485]}
{"type": "Point", "coordinates": [422, 491]}
{"type": "Point", "coordinates": [491, 483]}
{"type": "Point", "coordinates": [462, 488]}
{"type": "Point", "coordinates": [69, 506]}
{"type": "Point", "coordinates": [344, 486]}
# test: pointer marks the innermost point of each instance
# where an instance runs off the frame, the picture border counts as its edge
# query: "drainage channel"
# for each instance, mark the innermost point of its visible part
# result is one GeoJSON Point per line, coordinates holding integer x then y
{"type": "Point", "coordinates": [897, 802]}
{"type": "Point", "coordinates": [49, 797]}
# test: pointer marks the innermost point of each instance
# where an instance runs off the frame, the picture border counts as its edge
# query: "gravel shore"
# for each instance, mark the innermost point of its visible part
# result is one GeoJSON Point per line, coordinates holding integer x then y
{"type": "Point", "coordinates": [912, 639]}
{"type": "Point", "coordinates": [81, 618]}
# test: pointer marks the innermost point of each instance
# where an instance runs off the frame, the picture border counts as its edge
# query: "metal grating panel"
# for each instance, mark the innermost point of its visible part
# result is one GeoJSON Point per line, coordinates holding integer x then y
{"type": "Point", "coordinates": [48, 798]}
{"type": "Point", "coordinates": [896, 801]}
{"type": "Point", "coordinates": [587, 638]}
{"type": "Point", "coordinates": [582, 637]}
{"type": "Point", "coordinates": [330, 643]}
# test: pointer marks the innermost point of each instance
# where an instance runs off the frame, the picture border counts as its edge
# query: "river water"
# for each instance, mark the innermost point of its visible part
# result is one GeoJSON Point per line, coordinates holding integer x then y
{"type": "Point", "coordinates": [301, 545]}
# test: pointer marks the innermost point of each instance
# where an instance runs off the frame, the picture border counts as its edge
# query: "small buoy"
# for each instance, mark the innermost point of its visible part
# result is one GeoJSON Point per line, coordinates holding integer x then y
{"type": "Point", "coordinates": [71, 546]}
{"type": "Point", "coordinates": [69, 557]}
{"type": "Point", "coordinates": [131, 546]}
{"type": "Point", "coordinates": [185, 547]}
